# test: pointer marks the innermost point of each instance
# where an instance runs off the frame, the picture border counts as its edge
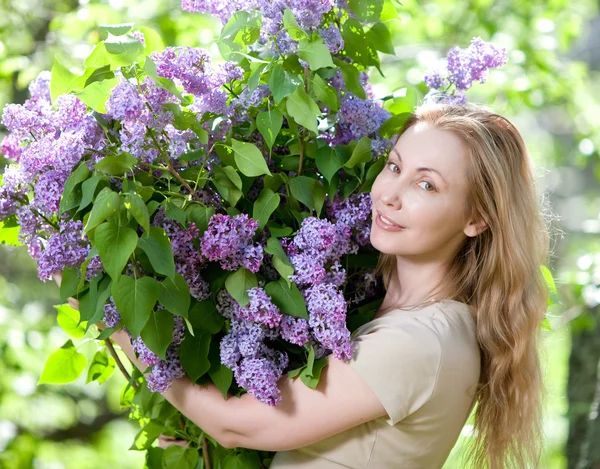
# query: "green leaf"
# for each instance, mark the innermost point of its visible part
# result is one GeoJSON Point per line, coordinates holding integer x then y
{"type": "Point", "coordinates": [249, 159]}
{"type": "Point", "coordinates": [135, 300]}
{"type": "Point", "coordinates": [63, 366]}
{"type": "Point", "coordinates": [315, 52]}
{"type": "Point", "coordinates": [204, 317]}
{"type": "Point", "coordinates": [381, 39]}
{"type": "Point", "coordinates": [351, 77]}
{"type": "Point", "coordinates": [137, 208]}
{"type": "Point", "coordinates": [291, 26]}
{"type": "Point", "coordinates": [301, 107]}
{"type": "Point", "coordinates": [98, 57]}
{"type": "Point", "coordinates": [553, 292]}
{"type": "Point", "coordinates": [193, 354]}
{"type": "Point", "coordinates": [243, 28]}
{"type": "Point", "coordinates": [312, 380]}
{"type": "Point", "coordinates": [91, 303]}
{"type": "Point", "coordinates": [71, 196]}
{"type": "Point", "coordinates": [147, 435]}
{"type": "Point", "coordinates": [68, 320]}
{"type": "Point", "coordinates": [69, 282]}
{"type": "Point", "coordinates": [329, 161]}
{"type": "Point", "coordinates": [308, 191]}
{"type": "Point", "coordinates": [362, 153]}
{"type": "Point", "coordinates": [282, 83]}
{"type": "Point", "coordinates": [114, 29]}
{"type": "Point", "coordinates": [107, 202]}
{"type": "Point", "coordinates": [393, 125]}
{"type": "Point", "coordinates": [357, 45]}
{"type": "Point", "coordinates": [157, 247]}
{"type": "Point", "coordinates": [9, 235]}
{"type": "Point", "coordinates": [152, 40]}
{"type": "Point", "coordinates": [280, 260]}
{"type": "Point", "coordinates": [97, 93]}
{"type": "Point", "coordinates": [115, 245]}
{"type": "Point", "coordinates": [101, 368]}
{"type": "Point", "coordinates": [238, 284]}
{"type": "Point", "coordinates": [368, 11]}
{"type": "Point", "coordinates": [178, 457]}
{"type": "Point", "coordinates": [325, 93]}
{"type": "Point", "coordinates": [269, 124]}
{"type": "Point", "coordinates": [264, 206]}
{"type": "Point", "coordinates": [157, 334]}
{"type": "Point", "coordinates": [247, 460]}
{"type": "Point", "coordinates": [60, 81]}
{"type": "Point", "coordinates": [116, 165]}
{"type": "Point", "coordinates": [123, 50]}
{"type": "Point", "coordinates": [228, 183]}
{"type": "Point", "coordinates": [89, 188]}
{"type": "Point", "coordinates": [175, 213]}
{"type": "Point", "coordinates": [287, 297]}
{"type": "Point", "coordinates": [199, 215]}
{"type": "Point", "coordinates": [174, 295]}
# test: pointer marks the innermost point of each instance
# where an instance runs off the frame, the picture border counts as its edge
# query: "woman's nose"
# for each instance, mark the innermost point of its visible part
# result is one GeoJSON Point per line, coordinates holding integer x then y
{"type": "Point", "coordinates": [392, 197]}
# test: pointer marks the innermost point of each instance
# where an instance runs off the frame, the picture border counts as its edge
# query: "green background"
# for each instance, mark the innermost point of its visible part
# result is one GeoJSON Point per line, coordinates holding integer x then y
{"type": "Point", "coordinates": [550, 89]}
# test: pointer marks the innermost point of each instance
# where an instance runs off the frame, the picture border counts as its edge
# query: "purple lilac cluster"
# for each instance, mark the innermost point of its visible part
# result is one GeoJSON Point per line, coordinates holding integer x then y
{"type": "Point", "coordinates": [315, 251]}
{"type": "Point", "coordinates": [163, 372]}
{"type": "Point", "coordinates": [256, 367]}
{"type": "Point", "coordinates": [358, 118]}
{"type": "Point", "coordinates": [45, 143]}
{"type": "Point", "coordinates": [353, 213]}
{"type": "Point", "coordinates": [310, 14]}
{"type": "Point", "coordinates": [229, 240]}
{"type": "Point", "coordinates": [188, 260]}
{"type": "Point", "coordinates": [65, 248]}
{"type": "Point", "coordinates": [463, 67]}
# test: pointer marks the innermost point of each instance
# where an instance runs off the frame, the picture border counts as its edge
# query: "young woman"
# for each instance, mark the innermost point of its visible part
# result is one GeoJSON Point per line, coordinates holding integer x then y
{"type": "Point", "coordinates": [457, 220]}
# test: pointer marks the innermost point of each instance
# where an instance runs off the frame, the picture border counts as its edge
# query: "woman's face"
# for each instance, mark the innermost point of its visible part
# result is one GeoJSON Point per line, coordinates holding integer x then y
{"type": "Point", "coordinates": [423, 188]}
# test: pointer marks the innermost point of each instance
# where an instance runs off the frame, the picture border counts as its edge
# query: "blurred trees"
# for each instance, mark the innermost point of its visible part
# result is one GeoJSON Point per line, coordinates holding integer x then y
{"type": "Point", "coordinates": [548, 89]}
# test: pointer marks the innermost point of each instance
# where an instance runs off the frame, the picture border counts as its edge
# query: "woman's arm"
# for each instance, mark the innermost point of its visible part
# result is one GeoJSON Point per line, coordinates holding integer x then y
{"type": "Point", "coordinates": [304, 416]}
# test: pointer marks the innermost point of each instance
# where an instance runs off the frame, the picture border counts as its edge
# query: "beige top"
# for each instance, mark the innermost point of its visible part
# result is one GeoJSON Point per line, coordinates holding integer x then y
{"type": "Point", "coordinates": [423, 365]}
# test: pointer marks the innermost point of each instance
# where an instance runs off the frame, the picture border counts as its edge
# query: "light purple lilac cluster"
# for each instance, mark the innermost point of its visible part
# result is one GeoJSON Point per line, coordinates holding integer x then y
{"type": "Point", "coordinates": [463, 67]}
{"type": "Point", "coordinates": [310, 15]}
{"type": "Point", "coordinates": [353, 213]}
{"type": "Point", "coordinates": [188, 260]}
{"type": "Point", "coordinates": [65, 248]}
{"type": "Point", "coordinates": [229, 240]}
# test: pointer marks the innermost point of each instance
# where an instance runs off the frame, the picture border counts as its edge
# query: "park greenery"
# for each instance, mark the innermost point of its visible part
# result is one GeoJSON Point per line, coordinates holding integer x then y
{"type": "Point", "coordinates": [546, 92]}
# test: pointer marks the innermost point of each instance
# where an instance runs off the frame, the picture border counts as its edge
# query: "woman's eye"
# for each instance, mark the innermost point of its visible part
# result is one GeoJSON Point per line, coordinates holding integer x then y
{"type": "Point", "coordinates": [394, 164]}
{"type": "Point", "coordinates": [429, 188]}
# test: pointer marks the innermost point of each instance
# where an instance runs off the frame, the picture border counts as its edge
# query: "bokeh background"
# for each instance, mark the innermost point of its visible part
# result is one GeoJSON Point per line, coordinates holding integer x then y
{"type": "Point", "coordinates": [550, 88]}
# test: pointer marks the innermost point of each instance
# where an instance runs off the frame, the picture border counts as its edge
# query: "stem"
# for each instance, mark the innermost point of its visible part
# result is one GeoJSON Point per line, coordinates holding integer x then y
{"type": "Point", "coordinates": [205, 453]}
{"type": "Point", "coordinates": [113, 352]}
{"type": "Point", "coordinates": [171, 169]}
{"type": "Point", "coordinates": [301, 152]}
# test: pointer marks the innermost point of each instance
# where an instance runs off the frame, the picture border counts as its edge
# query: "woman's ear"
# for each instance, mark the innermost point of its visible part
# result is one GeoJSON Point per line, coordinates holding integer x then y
{"type": "Point", "coordinates": [475, 228]}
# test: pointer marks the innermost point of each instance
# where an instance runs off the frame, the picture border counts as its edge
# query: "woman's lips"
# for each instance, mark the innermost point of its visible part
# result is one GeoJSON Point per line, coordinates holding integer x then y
{"type": "Point", "coordinates": [385, 226]}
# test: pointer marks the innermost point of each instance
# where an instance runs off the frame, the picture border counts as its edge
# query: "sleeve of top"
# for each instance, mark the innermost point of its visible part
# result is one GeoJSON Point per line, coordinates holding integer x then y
{"type": "Point", "coordinates": [399, 360]}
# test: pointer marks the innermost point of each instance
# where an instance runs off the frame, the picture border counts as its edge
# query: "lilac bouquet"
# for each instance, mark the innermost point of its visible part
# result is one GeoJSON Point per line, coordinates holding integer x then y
{"type": "Point", "coordinates": [218, 212]}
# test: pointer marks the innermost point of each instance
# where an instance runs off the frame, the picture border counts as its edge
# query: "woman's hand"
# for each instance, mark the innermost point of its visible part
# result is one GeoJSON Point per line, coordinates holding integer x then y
{"type": "Point", "coordinates": [165, 441]}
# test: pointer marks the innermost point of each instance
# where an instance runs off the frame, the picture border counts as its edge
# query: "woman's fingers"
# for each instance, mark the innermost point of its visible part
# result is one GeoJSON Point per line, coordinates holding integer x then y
{"type": "Point", "coordinates": [166, 441]}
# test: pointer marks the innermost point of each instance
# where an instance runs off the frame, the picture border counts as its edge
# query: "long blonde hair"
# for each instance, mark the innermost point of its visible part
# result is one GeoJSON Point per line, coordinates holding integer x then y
{"type": "Point", "coordinates": [498, 274]}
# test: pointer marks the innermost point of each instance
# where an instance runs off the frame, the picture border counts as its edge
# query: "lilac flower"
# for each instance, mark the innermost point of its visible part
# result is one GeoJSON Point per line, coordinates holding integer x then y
{"type": "Point", "coordinates": [332, 38]}
{"type": "Point", "coordinates": [11, 148]}
{"type": "Point", "coordinates": [125, 102]}
{"type": "Point", "coordinates": [309, 13]}
{"type": "Point", "coordinates": [48, 191]}
{"type": "Point", "coordinates": [111, 316]}
{"type": "Point", "coordinates": [64, 249]}
{"type": "Point", "coordinates": [463, 67]}
{"type": "Point", "coordinates": [228, 240]}
{"type": "Point", "coordinates": [40, 87]}
{"type": "Point", "coordinates": [164, 372]}
{"type": "Point", "coordinates": [260, 309]}
{"type": "Point", "coordinates": [358, 118]}
{"type": "Point", "coordinates": [354, 213]}
{"type": "Point", "coordinates": [327, 318]}
{"type": "Point", "coordinates": [259, 376]}
{"type": "Point", "coordinates": [295, 330]}
{"type": "Point", "coordinates": [316, 236]}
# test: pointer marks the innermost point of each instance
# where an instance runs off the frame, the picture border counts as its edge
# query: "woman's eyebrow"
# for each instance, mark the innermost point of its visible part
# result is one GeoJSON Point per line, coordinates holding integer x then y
{"type": "Point", "coordinates": [431, 170]}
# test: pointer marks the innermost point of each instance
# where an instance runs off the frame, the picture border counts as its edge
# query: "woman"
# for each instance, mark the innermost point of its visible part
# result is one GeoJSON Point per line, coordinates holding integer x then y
{"type": "Point", "coordinates": [457, 220]}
